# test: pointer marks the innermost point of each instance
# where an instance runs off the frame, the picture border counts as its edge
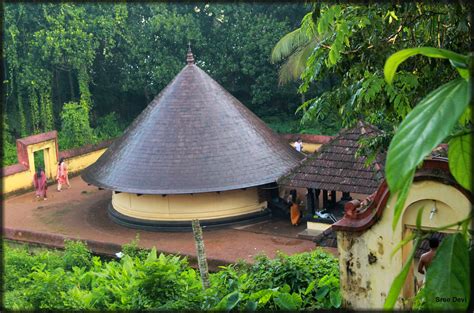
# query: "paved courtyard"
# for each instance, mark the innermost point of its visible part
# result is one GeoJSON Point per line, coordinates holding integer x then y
{"type": "Point", "coordinates": [80, 213]}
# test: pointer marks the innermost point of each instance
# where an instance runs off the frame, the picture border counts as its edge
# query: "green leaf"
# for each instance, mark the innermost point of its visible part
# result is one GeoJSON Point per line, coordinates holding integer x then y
{"type": "Point", "coordinates": [335, 298]}
{"type": "Point", "coordinates": [466, 117]}
{"type": "Point", "coordinates": [402, 243]}
{"type": "Point", "coordinates": [399, 281]}
{"type": "Point", "coordinates": [423, 129]}
{"type": "Point", "coordinates": [310, 287]}
{"type": "Point", "coordinates": [397, 58]}
{"type": "Point", "coordinates": [286, 301]}
{"type": "Point", "coordinates": [228, 302]}
{"type": "Point", "coordinates": [251, 306]}
{"type": "Point", "coordinates": [448, 276]}
{"type": "Point", "coordinates": [401, 197]}
{"type": "Point", "coordinates": [322, 292]}
{"type": "Point", "coordinates": [419, 216]}
{"type": "Point", "coordinates": [460, 156]}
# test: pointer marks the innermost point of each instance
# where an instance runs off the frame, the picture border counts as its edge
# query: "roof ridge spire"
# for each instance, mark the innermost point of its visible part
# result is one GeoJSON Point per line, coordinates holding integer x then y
{"type": "Point", "coordinates": [190, 56]}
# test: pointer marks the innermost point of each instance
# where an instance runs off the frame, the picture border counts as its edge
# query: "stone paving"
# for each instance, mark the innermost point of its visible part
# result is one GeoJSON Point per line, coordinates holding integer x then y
{"type": "Point", "coordinates": [80, 213]}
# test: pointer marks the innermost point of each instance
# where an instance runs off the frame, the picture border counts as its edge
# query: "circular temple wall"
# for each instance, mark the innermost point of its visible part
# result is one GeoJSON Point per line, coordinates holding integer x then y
{"type": "Point", "coordinates": [175, 212]}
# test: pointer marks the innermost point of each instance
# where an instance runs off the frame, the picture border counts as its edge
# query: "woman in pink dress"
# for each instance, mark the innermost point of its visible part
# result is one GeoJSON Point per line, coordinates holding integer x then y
{"type": "Point", "coordinates": [39, 180]}
{"type": "Point", "coordinates": [61, 176]}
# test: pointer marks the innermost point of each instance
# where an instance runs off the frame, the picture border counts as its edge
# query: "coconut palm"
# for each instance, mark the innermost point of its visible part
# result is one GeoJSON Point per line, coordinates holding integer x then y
{"type": "Point", "coordinates": [295, 47]}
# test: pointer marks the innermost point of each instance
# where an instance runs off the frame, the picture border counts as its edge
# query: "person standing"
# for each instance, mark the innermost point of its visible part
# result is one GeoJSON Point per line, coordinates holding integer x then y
{"type": "Point", "coordinates": [295, 212]}
{"type": "Point", "coordinates": [299, 145]}
{"type": "Point", "coordinates": [40, 183]}
{"type": "Point", "coordinates": [62, 175]}
{"type": "Point", "coordinates": [426, 258]}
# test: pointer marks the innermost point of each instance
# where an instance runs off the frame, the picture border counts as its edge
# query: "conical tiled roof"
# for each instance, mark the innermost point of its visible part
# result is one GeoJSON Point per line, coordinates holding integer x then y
{"type": "Point", "coordinates": [193, 137]}
{"type": "Point", "coordinates": [335, 165]}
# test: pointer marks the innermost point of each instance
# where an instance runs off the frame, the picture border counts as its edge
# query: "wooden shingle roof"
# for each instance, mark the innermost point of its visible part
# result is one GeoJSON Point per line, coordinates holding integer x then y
{"type": "Point", "coordinates": [193, 137]}
{"type": "Point", "coordinates": [335, 167]}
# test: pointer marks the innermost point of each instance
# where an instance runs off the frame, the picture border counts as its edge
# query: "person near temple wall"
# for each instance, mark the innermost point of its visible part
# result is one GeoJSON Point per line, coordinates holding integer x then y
{"type": "Point", "coordinates": [40, 183]}
{"type": "Point", "coordinates": [426, 258]}
{"type": "Point", "coordinates": [295, 212]}
{"type": "Point", "coordinates": [62, 174]}
{"type": "Point", "coordinates": [299, 145]}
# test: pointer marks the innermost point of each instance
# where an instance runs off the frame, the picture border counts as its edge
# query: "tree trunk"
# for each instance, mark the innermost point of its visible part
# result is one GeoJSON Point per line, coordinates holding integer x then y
{"type": "Point", "coordinates": [201, 254]}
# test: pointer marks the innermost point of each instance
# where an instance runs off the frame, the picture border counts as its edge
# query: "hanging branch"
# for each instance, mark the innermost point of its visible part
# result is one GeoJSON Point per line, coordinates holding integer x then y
{"type": "Point", "coordinates": [201, 254]}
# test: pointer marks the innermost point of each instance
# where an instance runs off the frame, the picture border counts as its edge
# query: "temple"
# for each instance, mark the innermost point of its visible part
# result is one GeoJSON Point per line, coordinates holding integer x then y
{"type": "Point", "coordinates": [195, 152]}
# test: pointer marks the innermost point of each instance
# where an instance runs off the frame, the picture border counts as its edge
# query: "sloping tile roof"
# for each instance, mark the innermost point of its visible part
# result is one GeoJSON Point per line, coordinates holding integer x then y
{"type": "Point", "coordinates": [193, 137]}
{"type": "Point", "coordinates": [335, 167]}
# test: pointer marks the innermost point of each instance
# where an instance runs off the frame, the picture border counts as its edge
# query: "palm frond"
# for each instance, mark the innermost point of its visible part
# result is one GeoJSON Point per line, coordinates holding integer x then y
{"type": "Point", "coordinates": [288, 44]}
{"type": "Point", "coordinates": [296, 63]}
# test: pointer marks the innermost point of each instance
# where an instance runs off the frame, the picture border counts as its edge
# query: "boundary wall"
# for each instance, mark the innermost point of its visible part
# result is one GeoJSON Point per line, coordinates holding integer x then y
{"type": "Point", "coordinates": [18, 178]}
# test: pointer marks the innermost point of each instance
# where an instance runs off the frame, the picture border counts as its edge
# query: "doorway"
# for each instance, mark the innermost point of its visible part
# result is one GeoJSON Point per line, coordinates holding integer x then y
{"type": "Point", "coordinates": [41, 160]}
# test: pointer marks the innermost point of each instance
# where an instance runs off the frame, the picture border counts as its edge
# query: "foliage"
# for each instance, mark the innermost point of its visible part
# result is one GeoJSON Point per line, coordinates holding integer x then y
{"type": "Point", "coordinates": [133, 250]}
{"type": "Point", "coordinates": [8, 148]}
{"type": "Point", "coordinates": [108, 126]}
{"type": "Point", "coordinates": [76, 254]}
{"type": "Point", "coordinates": [118, 57]}
{"type": "Point", "coordinates": [448, 276]}
{"type": "Point", "coordinates": [74, 279]}
{"type": "Point", "coordinates": [428, 124]}
{"type": "Point", "coordinates": [349, 43]}
{"type": "Point", "coordinates": [76, 130]}
{"type": "Point", "coordinates": [307, 280]}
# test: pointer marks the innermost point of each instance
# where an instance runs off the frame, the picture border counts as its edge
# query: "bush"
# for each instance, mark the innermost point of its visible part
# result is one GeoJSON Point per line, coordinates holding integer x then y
{"type": "Point", "coordinates": [75, 127]}
{"type": "Point", "coordinates": [280, 283]}
{"type": "Point", "coordinates": [108, 127]}
{"type": "Point", "coordinates": [77, 254]}
{"type": "Point", "coordinates": [133, 250]}
{"type": "Point", "coordinates": [73, 279]}
{"type": "Point", "coordinates": [18, 264]}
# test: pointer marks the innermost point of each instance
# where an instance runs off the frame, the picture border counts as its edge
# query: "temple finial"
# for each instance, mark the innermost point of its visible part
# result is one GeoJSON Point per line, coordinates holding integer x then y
{"type": "Point", "coordinates": [190, 56]}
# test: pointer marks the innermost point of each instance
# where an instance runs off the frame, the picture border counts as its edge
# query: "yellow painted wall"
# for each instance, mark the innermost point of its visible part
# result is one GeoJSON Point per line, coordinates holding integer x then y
{"type": "Point", "coordinates": [24, 180]}
{"type": "Point", "coordinates": [366, 285]}
{"type": "Point", "coordinates": [80, 162]}
{"type": "Point", "coordinates": [18, 181]}
{"type": "Point", "coordinates": [317, 226]}
{"type": "Point", "coordinates": [308, 147]}
{"type": "Point", "coordinates": [204, 206]}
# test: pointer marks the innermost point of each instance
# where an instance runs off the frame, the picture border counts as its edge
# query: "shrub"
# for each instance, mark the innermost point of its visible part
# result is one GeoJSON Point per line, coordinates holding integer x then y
{"type": "Point", "coordinates": [73, 279]}
{"type": "Point", "coordinates": [108, 127]}
{"type": "Point", "coordinates": [18, 264]}
{"type": "Point", "coordinates": [75, 127]}
{"type": "Point", "coordinates": [133, 250]}
{"type": "Point", "coordinates": [77, 254]}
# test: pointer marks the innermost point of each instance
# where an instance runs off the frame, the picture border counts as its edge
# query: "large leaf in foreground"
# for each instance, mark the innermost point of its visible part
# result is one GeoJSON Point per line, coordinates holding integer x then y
{"type": "Point", "coordinates": [447, 280]}
{"type": "Point", "coordinates": [424, 128]}
{"type": "Point", "coordinates": [399, 281]}
{"type": "Point", "coordinates": [397, 58]}
{"type": "Point", "coordinates": [460, 160]}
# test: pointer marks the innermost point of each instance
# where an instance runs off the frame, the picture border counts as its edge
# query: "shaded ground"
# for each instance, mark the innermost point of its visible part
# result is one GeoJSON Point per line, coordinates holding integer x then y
{"type": "Point", "coordinates": [80, 212]}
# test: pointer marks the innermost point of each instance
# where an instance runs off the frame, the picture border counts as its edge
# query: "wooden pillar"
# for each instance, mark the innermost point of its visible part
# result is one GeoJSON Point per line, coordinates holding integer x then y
{"type": "Point", "coordinates": [310, 201]}
{"type": "Point", "coordinates": [333, 198]}
{"type": "Point", "coordinates": [325, 199]}
{"type": "Point", "coordinates": [316, 199]}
